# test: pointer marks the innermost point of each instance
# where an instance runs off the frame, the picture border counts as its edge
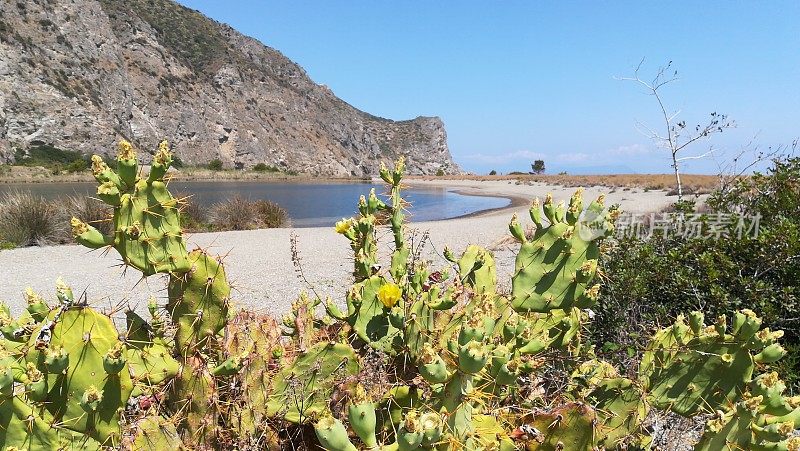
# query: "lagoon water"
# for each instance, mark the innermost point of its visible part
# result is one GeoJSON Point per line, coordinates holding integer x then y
{"type": "Point", "coordinates": [308, 204]}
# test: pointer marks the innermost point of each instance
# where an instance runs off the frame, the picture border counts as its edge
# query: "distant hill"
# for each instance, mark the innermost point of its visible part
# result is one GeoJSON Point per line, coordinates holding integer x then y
{"type": "Point", "coordinates": [81, 74]}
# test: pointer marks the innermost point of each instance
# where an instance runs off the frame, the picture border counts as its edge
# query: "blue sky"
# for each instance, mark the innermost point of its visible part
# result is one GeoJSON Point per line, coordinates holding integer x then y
{"type": "Point", "coordinates": [519, 80]}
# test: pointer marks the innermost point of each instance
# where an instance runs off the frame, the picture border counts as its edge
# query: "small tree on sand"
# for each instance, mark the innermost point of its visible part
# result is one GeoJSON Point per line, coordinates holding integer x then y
{"type": "Point", "coordinates": [538, 167]}
{"type": "Point", "coordinates": [675, 135]}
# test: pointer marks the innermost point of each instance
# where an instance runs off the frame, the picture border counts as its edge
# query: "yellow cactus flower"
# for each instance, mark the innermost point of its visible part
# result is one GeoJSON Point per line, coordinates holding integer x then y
{"type": "Point", "coordinates": [389, 294]}
{"type": "Point", "coordinates": [343, 226]}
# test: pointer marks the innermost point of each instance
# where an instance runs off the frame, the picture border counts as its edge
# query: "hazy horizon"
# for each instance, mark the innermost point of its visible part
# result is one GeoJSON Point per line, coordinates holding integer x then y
{"type": "Point", "coordinates": [519, 81]}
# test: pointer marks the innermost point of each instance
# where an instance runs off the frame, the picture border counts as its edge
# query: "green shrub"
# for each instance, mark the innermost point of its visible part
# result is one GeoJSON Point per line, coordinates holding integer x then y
{"type": "Point", "coordinates": [263, 167]}
{"type": "Point", "coordinates": [493, 172]}
{"type": "Point", "coordinates": [650, 281]}
{"type": "Point", "coordinates": [77, 166]}
{"type": "Point", "coordinates": [46, 155]}
{"type": "Point", "coordinates": [215, 164]}
{"type": "Point", "coordinates": [439, 172]}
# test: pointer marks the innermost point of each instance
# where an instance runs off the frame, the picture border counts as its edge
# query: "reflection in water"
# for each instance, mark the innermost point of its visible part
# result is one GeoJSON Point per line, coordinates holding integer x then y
{"type": "Point", "coordinates": [309, 205]}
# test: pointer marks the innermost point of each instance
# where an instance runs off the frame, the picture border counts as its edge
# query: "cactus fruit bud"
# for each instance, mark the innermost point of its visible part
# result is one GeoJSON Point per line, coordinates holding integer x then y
{"type": "Point", "coordinates": [410, 436]}
{"type": "Point", "coordinates": [37, 306]}
{"type": "Point", "coordinates": [696, 322]}
{"type": "Point", "coordinates": [114, 360]}
{"type": "Point", "coordinates": [472, 357]}
{"type": "Point", "coordinates": [64, 292]}
{"type": "Point", "coordinates": [516, 229]}
{"type": "Point", "coordinates": [125, 151]}
{"type": "Point", "coordinates": [770, 354]}
{"type": "Point", "coordinates": [332, 435]}
{"type": "Point", "coordinates": [363, 421]}
{"type": "Point", "coordinates": [384, 172]}
{"type": "Point", "coordinates": [471, 332]}
{"type": "Point", "coordinates": [432, 428]}
{"type": "Point", "coordinates": [720, 324]}
{"type": "Point", "coordinates": [432, 367]}
{"type": "Point", "coordinates": [98, 165]}
{"type": "Point", "coordinates": [536, 213]}
{"type": "Point", "coordinates": [389, 294]}
{"type": "Point", "coordinates": [593, 292]}
{"type": "Point", "coordinates": [163, 157]}
{"type": "Point", "coordinates": [35, 383]}
{"type": "Point", "coordinates": [86, 235]}
{"type": "Point", "coordinates": [109, 193]}
{"type": "Point", "coordinates": [56, 360]}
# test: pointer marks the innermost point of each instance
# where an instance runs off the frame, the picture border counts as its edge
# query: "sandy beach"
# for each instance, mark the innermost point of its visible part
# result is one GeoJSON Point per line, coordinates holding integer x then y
{"type": "Point", "coordinates": [259, 262]}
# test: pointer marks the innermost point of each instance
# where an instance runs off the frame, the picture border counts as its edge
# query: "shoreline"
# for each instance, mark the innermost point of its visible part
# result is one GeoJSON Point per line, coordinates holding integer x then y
{"type": "Point", "coordinates": [261, 263]}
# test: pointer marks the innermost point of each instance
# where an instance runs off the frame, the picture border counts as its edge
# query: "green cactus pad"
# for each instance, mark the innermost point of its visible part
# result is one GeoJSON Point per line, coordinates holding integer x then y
{"type": "Point", "coordinates": [746, 426]}
{"type": "Point", "coordinates": [620, 410]}
{"type": "Point", "coordinates": [303, 389]}
{"type": "Point", "coordinates": [696, 368]}
{"type": "Point", "coordinates": [87, 336]}
{"type": "Point", "coordinates": [554, 270]}
{"type": "Point", "coordinates": [568, 427]}
{"type": "Point", "coordinates": [490, 433]}
{"type": "Point", "coordinates": [477, 270]}
{"type": "Point", "coordinates": [25, 428]}
{"type": "Point", "coordinates": [155, 433]}
{"type": "Point", "coordinates": [332, 435]}
{"type": "Point", "coordinates": [193, 394]}
{"type": "Point", "coordinates": [153, 364]}
{"type": "Point", "coordinates": [198, 302]}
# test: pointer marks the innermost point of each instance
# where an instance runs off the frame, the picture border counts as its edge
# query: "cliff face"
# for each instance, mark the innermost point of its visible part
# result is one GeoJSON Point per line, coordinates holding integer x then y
{"type": "Point", "coordinates": [81, 74]}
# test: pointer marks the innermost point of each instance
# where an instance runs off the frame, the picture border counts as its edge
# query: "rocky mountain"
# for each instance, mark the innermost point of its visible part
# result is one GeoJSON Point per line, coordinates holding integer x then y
{"type": "Point", "coordinates": [81, 74]}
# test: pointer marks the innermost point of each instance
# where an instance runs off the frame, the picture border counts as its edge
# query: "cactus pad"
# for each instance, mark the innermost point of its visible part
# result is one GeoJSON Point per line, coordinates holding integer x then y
{"type": "Point", "coordinates": [302, 390]}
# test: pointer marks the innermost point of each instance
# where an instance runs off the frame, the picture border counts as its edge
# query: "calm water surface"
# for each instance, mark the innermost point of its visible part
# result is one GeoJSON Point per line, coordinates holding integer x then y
{"type": "Point", "coordinates": [308, 204]}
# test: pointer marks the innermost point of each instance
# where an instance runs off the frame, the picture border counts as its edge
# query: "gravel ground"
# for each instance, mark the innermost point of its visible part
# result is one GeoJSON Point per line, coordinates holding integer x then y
{"type": "Point", "coordinates": [259, 263]}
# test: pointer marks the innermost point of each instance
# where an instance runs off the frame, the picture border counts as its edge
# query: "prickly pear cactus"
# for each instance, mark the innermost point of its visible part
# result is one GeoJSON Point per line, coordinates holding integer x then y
{"type": "Point", "coordinates": [618, 401]}
{"type": "Point", "coordinates": [193, 393]}
{"type": "Point", "coordinates": [147, 230]}
{"type": "Point", "coordinates": [371, 303]}
{"type": "Point", "coordinates": [155, 433]}
{"type": "Point", "coordinates": [555, 269]}
{"type": "Point", "coordinates": [477, 270]}
{"type": "Point", "coordinates": [694, 367]}
{"type": "Point", "coordinates": [198, 301]}
{"type": "Point", "coordinates": [361, 233]}
{"type": "Point", "coordinates": [763, 419]}
{"type": "Point", "coordinates": [85, 382]}
{"type": "Point", "coordinates": [302, 389]}
{"type": "Point", "coordinates": [255, 338]}
{"type": "Point", "coordinates": [570, 426]}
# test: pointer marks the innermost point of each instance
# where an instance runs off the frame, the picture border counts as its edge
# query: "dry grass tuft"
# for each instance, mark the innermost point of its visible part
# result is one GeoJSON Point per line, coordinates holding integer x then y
{"type": "Point", "coordinates": [29, 220]}
{"type": "Point", "coordinates": [238, 213]}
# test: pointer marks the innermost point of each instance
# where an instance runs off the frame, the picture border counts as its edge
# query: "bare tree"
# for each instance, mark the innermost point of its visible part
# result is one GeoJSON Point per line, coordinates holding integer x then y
{"type": "Point", "coordinates": [675, 136]}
